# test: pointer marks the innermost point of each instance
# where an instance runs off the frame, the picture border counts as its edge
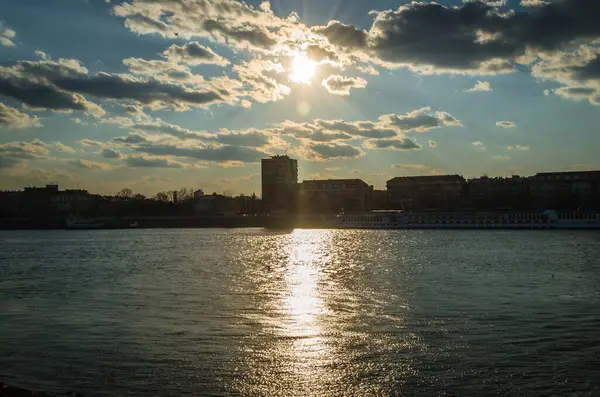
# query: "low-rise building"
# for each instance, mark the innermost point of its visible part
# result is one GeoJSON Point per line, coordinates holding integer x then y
{"type": "Point", "coordinates": [334, 196]}
{"type": "Point", "coordinates": [444, 192]}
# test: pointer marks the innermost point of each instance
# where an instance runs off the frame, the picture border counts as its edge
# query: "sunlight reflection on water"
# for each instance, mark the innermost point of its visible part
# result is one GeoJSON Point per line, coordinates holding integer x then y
{"type": "Point", "coordinates": [300, 313]}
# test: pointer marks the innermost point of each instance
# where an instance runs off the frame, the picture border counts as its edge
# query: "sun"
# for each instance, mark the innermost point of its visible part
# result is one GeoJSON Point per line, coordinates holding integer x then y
{"type": "Point", "coordinates": [303, 69]}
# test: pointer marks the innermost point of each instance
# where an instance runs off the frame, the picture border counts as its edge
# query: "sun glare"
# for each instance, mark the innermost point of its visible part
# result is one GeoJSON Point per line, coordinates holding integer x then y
{"type": "Point", "coordinates": [303, 69]}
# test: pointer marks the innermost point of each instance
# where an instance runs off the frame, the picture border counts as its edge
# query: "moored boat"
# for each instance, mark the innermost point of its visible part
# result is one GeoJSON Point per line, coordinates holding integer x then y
{"type": "Point", "coordinates": [473, 220]}
{"type": "Point", "coordinates": [85, 224]}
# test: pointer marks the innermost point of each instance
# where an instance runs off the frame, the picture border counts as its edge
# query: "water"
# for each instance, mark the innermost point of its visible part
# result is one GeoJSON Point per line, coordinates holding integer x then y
{"type": "Point", "coordinates": [249, 312]}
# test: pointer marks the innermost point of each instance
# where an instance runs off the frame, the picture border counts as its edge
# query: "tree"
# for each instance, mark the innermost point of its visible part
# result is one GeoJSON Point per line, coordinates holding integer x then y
{"type": "Point", "coordinates": [227, 193]}
{"type": "Point", "coordinates": [165, 197]}
{"type": "Point", "coordinates": [125, 193]}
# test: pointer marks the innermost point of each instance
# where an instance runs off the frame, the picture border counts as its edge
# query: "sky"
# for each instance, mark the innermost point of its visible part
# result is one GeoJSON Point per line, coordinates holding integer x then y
{"type": "Point", "coordinates": [156, 95]}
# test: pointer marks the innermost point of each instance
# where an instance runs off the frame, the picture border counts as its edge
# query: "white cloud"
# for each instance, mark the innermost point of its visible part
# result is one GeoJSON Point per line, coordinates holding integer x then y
{"type": "Point", "coordinates": [340, 85]}
{"type": "Point", "coordinates": [481, 86]}
{"type": "Point", "coordinates": [506, 124]}
{"type": "Point", "coordinates": [6, 35]}
{"type": "Point", "coordinates": [518, 148]}
{"type": "Point", "coordinates": [479, 145]}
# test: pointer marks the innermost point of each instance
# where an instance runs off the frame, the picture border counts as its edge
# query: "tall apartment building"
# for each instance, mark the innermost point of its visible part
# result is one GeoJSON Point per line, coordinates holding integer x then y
{"type": "Point", "coordinates": [279, 178]}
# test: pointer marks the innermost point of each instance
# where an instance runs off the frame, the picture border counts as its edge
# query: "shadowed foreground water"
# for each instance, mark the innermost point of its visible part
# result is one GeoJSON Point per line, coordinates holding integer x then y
{"type": "Point", "coordinates": [302, 313]}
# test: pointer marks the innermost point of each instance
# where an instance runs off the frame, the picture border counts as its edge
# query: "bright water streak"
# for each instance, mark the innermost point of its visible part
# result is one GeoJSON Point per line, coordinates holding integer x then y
{"type": "Point", "coordinates": [302, 313]}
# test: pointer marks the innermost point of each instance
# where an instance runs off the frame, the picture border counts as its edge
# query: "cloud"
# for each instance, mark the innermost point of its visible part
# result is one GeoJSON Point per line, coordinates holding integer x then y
{"type": "Point", "coordinates": [396, 144]}
{"type": "Point", "coordinates": [194, 53]}
{"type": "Point", "coordinates": [501, 157]}
{"type": "Point", "coordinates": [131, 139]}
{"type": "Point", "coordinates": [259, 80]}
{"type": "Point", "coordinates": [418, 169]}
{"type": "Point", "coordinates": [412, 167]}
{"type": "Point", "coordinates": [90, 142]}
{"type": "Point", "coordinates": [6, 35]}
{"type": "Point", "coordinates": [230, 22]}
{"type": "Point", "coordinates": [476, 37]}
{"type": "Point", "coordinates": [506, 124]}
{"type": "Point", "coordinates": [334, 150]}
{"type": "Point", "coordinates": [387, 126]}
{"type": "Point", "coordinates": [250, 138]}
{"type": "Point", "coordinates": [42, 55]}
{"type": "Point", "coordinates": [60, 147]}
{"type": "Point", "coordinates": [343, 35]}
{"type": "Point", "coordinates": [518, 148]}
{"type": "Point", "coordinates": [60, 84]}
{"type": "Point", "coordinates": [481, 86]}
{"type": "Point", "coordinates": [12, 118]}
{"type": "Point", "coordinates": [88, 164]}
{"type": "Point", "coordinates": [110, 153]}
{"type": "Point", "coordinates": [479, 145]}
{"type": "Point", "coordinates": [340, 85]}
{"type": "Point", "coordinates": [533, 3]}
{"type": "Point", "coordinates": [152, 162]}
{"type": "Point", "coordinates": [577, 70]}
{"type": "Point", "coordinates": [204, 153]}
{"type": "Point", "coordinates": [35, 149]}
{"type": "Point", "coordinates": [31, 82]}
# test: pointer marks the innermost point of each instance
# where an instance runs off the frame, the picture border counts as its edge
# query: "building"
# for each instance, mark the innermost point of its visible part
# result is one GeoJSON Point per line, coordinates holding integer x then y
{"type": "Point", "coordinates": [334, 196]}
{"type": "Point", "coordinates": [279, 178]}
{"type": "Point", "coordinates": [566, 191]}
{"type": "Point", "coordinates": [512, 193]}
{"type": "Point", "coordinates": [71, 201]}
{"type": "Point", "coordinates": [416, 193]}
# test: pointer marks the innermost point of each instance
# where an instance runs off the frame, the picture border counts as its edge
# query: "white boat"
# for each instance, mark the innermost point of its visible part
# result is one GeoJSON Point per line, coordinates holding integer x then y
{"type": "Point", "coordinates": [83, 224]}
{"type": "Point", "coordinates": [472, 220]}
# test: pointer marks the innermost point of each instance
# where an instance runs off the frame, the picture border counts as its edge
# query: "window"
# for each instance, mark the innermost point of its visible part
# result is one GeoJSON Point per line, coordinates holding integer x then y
{"type": "Point", "coordinates": [350, 185]}
{"type": "Point", "coordinates": [336, 186]}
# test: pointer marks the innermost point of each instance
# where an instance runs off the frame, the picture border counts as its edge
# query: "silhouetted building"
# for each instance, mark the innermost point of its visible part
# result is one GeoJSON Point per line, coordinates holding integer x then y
{"type": "Point", "coordinates": [566, 190]}
{"type": "Point", "coordinates": [487, 193]}
{"type": "Point", "coordinates": [445, 192]}
{"type": "Point", "coordinates": [335, 195]}
{"type": "Point", "coordinates": [279, 177]}
{"type": "Point", "coordinates": [71, 201]}
{"type": "Point", "coordinates": [380, 200]}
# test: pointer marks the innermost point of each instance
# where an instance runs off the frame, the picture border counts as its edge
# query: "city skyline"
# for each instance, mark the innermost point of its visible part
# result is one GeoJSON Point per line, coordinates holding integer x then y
{"type": "Point", "coordinates": [154, 96]}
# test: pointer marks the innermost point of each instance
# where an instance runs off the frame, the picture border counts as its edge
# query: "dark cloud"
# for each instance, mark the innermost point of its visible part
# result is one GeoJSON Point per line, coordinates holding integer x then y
{"type": "Point", "coordinates": [343, 35]}
{"type": "Point", "coordinates": [193, 53]}
{"type": "Point", "coordinates": [112, 86]}
{"type": "Point", "coordinates": [335, 150]}
{"type": "Point", "coordinates": [110, 153]}
{"type": "Point", "coordinates": [398, 144]}
{"type": "Point", "coordinates": [470, 36]}
{"type": "Point", "coordinates": [44, 96]}
{"type": "Point", "coordinates": [249, 139]}
{"type": "Point", "coordinates": [206, 153]}
{"type": "Point", "coordinates": [341, 85]}
{"type": "Point", "coordinates": [254, 35]}
{"type": "Point", "coordinates": [588, 71]}
{"type": "Point", "coordinates": [152, 162]}
{"type": "Point", "coordinates": [87, 164]}
{"type": "Point", "coordinates": [131, 139]}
